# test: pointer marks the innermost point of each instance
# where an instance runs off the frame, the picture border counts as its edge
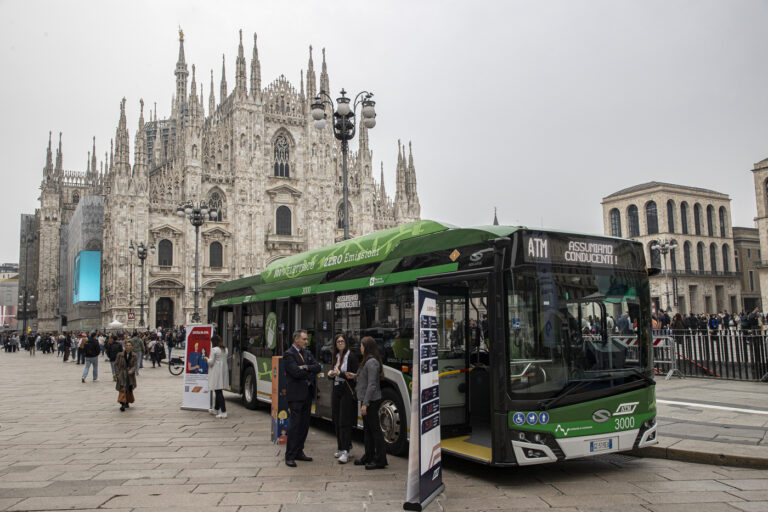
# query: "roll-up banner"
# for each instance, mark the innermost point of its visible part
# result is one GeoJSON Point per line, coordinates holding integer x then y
{"type": "Point", "coordinates": [425, 478]}
{"type": "Point", "coordinates": [198, 339]}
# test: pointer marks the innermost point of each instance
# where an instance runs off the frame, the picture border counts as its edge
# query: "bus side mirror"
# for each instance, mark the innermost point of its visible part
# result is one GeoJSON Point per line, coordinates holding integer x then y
{"type": "Point", "coordinates": [653, 271]}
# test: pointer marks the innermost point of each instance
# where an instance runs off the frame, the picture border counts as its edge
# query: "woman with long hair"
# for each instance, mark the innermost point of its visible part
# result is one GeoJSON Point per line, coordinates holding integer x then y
{"type": "Point", "coordinates": [343, 404]}
{"type": "Point", "coordinates": [218, 375]}
{"type": "Point", "coordinates": [369, 394]}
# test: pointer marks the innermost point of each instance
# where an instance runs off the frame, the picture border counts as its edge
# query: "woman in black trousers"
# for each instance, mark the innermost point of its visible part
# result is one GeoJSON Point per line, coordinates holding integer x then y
{"type": "Point", "coordinates": [343, 403]}
{"type": "Point", "coordinates": [369, 393]}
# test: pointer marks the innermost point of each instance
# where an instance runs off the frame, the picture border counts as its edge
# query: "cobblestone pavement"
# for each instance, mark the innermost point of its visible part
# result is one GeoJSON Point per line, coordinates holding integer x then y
{"type": "Point", "coordinates": [66, 445]}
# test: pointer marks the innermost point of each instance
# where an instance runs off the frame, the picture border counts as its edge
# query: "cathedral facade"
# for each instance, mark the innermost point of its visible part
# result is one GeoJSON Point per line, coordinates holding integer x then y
{"type": "Point", "coordinates": [253, 155]}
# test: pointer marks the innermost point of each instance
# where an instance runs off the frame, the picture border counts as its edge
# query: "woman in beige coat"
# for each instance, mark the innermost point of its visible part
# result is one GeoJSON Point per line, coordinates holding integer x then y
{"type": "Point", "coordinates": [126, 365]}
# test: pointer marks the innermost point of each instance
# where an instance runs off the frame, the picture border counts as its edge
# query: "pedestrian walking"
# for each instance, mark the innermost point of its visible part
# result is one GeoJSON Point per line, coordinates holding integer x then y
{"type": "Point", "coordinates": [66, 345]}
{"type": "Point", "coordinates": [91, 352]}
{"type": "Point", "coordinates": [369, 393]}
{"type": "Point", "coordinates": [113, 351]}
{"type": "Point", "coordinates": [126, 368]}
{"type": "Point", "coordinates": [343, 403]}
{"type": "Point", "coordinates": [218, 376]}
{"type": "Point", "coordinates": [31, 345]}
{"type": "Point", "coordinates": [138, 347]}
{"type": "Point", "coordinates": [300, 370]}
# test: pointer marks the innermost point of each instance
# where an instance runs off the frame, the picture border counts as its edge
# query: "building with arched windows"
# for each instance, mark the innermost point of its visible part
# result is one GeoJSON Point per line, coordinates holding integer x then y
{"type": "Point", "coordinates": [253, 154]}
{"type": "Point", "coordinates": [701, 272]}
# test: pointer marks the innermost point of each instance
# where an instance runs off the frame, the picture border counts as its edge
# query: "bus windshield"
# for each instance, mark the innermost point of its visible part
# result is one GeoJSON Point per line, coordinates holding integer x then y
{"type": "Point", "coordinates": [576, 330]}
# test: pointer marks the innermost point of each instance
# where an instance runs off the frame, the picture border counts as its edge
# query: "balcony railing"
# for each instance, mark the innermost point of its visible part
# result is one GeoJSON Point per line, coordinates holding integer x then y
{"type": "Point", "coordinates": [704, 273]}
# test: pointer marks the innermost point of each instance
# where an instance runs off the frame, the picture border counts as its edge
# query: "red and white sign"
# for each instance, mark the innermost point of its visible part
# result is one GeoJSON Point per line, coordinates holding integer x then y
{"type": "Point", "coordinates": [195, 394]}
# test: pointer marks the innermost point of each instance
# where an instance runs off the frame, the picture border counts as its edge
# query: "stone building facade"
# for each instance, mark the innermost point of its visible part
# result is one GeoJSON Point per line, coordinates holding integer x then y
{"type": "Point", "coordinates": [746, 244]}
{"type": "Point", "coordinates": [701, 272]}
{"type": "Point", "coordinates": [254, 155]}
{"type": "Point", "coordinates": [82, 233]}
{"type": "Point", "coordinates": [29, 250]}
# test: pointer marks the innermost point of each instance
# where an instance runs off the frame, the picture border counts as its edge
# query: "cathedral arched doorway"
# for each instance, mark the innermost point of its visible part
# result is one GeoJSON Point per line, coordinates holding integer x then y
{"type": "Point", "coordinates": [164, 312]}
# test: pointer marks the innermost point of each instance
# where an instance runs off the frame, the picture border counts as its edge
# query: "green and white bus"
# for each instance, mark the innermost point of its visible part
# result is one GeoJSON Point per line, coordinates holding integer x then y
{"type": "Point", "coordinates": [544, 336]}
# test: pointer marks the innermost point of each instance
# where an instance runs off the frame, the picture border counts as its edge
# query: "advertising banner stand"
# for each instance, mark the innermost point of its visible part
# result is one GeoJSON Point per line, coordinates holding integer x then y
{"type": "Point", "coordinates": [195, 391]}
{"type": "Point", "coordinates": [279, 402]}
{"type": "Point", "coordinates": [425, 478]}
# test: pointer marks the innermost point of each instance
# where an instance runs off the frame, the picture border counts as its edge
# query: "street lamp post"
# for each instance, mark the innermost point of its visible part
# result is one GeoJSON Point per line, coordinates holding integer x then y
{"type": "Point", "coordinates": [664, 247]}
{"type": "Point", "coordinates": [141, 252]}
{"type": "Point", "coordinates": [344, 127]}
{"type": "Point", "coordinates": [197, 215]}
{"type": "Point", "coordinates": [25, 297]}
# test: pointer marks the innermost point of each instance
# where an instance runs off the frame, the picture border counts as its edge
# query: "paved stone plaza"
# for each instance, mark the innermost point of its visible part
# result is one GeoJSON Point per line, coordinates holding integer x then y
{"type": "Point", "coordinates": [66, 445]}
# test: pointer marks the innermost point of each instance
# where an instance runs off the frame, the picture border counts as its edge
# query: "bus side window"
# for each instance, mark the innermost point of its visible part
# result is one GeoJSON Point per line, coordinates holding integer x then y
{"type": "Point", "coordinates": [253, 329]}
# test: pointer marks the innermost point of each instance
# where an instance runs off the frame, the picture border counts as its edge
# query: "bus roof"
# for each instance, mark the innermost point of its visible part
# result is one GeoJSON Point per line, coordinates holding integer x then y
{"type": "Point", "coordinates": [409, 239]}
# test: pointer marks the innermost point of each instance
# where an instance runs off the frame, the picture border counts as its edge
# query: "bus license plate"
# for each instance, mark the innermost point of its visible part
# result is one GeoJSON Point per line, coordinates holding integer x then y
{"type": "Point", "coordinates": [600, 445]}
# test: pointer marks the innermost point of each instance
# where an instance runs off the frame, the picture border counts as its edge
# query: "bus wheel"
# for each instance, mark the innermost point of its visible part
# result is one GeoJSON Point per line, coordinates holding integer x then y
{"type": "Point", "coordinates": [249, 389]}
{"type": "Point", "coordinates": [392, 420]}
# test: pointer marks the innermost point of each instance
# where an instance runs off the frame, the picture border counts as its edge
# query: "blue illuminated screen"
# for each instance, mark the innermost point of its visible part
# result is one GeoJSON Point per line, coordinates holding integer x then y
{"type": "Point", "coordinates": [86, 282]}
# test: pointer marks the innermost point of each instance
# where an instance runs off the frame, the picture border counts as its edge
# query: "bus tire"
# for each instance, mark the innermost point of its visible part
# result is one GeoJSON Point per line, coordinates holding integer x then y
{"type": "Point", "coordinates": [249, 389]}
{"type": "Point", "coordinates": [393, 421]}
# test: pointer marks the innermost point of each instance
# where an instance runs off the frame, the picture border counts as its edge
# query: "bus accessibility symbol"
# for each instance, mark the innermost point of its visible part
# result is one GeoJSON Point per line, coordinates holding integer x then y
{"type": "Point", "coordinates": [518, 418]}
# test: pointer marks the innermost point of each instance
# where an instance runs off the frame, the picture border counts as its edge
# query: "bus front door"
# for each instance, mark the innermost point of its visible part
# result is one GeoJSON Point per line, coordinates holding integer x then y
{"type": "Point", "coordinates": [323, 345]}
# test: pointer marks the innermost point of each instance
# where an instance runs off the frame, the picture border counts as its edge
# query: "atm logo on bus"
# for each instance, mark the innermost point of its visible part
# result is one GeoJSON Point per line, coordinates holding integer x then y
{"type": "Point", "coordinates": [627, 408]}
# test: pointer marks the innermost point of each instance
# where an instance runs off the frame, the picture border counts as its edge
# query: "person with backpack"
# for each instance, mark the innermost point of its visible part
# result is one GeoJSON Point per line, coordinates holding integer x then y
{"type": "Point", "coordinates": [91, 351]}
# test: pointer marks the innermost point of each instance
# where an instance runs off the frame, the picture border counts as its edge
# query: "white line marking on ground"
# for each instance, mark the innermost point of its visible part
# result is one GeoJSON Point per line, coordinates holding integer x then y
{"type": "Point", "coordinates": [707, 406]}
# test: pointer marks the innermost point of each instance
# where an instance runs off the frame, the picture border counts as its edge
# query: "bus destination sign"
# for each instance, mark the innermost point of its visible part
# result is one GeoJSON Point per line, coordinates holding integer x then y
{"type": "Point", "coordinates": [557, 249]}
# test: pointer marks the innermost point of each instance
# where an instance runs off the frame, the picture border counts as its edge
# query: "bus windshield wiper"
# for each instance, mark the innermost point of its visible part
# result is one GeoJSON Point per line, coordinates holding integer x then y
{"type": "Point", "coordinates": [577, 385]}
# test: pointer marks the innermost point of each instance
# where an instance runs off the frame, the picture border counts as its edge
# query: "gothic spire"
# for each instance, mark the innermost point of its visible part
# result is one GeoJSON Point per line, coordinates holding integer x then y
{"type": "Point", "coordinates": [111, 155]}
{"type": "Point", "coordinates": [140, 144]}
{"type": "Point", "coordinates": [223, 94]}
{"type": "Point", "coordinates": [324, 76]}
{"type": "Point", "coordinates": [363, 144]}
{"type": "Point", "coordinates": [93, 157]}
{"type": "Point", "coordinates": [311, 85]}
{"type": "Point", "coordinates": [240, 77]}
{"type": "Point", "coordinates": [121, 142]}
{"type": "Point", "coordinates": [59, 157]}
{"type": "Point", "coordinates": [255, 71]}
{"type": "Point", "coordinates": [48, 169]}
{"type": "Point", "coordinates": [411, 171]}
{"type": "Point", "coordinates": [88, 165]}
{"type": "Point", "coordinates": [211, 99]}
{"type": "Point", "coordinates": [495, 218]}
{"type": "Point", "coordinates": [181, 72]}
{"type": "Point", "coordinates": [383, 192]}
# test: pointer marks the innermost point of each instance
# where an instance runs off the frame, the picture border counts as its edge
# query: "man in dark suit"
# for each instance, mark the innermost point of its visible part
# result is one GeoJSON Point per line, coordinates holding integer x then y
{"type": "Point", "coordinates": [300, 371]}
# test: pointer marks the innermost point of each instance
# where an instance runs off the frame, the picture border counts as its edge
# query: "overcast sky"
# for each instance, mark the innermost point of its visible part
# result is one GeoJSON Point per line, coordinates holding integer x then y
{"type": "Point", "coordinates": [539, 108]}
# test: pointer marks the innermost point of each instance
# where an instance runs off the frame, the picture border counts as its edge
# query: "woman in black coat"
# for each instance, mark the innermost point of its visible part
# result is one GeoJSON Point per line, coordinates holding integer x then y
{"type": "Point", "coordinates": [343, 403]}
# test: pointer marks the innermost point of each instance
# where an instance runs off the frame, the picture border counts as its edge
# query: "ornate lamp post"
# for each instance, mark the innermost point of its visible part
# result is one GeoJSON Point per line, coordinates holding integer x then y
{"type": "Point", "coordinates": [141, 252]}
{"type": "Point", "coordinates": [664, 247]}
{"type": "Point", "coordinates": [344, 127]}
{"type": "Point", "coordinates": [197, 215]}
{"type": "Point", "coordinates": [25, 297]}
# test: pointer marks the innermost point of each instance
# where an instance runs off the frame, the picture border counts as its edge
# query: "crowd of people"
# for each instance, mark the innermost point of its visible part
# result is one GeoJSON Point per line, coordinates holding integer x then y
{"type": "Point", "coordinates": [754, 321]}
{"type": "Point", "coordinates": [125, 352]}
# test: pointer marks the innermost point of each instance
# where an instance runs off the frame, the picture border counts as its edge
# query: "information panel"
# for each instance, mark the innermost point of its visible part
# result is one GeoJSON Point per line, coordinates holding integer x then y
{"type": "Point", "coordinates": [425, 479]}
{"type": "Point", "coordinates": [196, 369]}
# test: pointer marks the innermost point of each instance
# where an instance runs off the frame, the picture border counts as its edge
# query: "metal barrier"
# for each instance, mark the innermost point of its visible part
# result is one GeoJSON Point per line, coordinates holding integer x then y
{"type": "Point", "coordinates": [732, 354]}
{"type": "Point", "coordinates": [665, 355]}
